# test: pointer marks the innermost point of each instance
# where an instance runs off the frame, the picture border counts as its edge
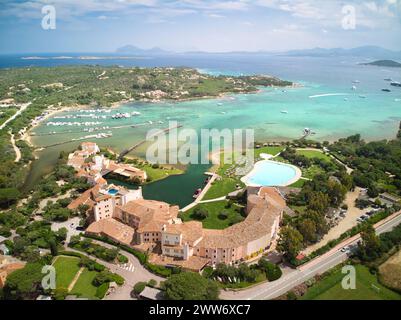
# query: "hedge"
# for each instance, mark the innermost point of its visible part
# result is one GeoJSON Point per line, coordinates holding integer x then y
{"type": "Point", "coordinates": [139, 287]}
{"type": "Point", "coordinates": [102, 290]}
{"type": "Point", "coordinates": [142, 257]}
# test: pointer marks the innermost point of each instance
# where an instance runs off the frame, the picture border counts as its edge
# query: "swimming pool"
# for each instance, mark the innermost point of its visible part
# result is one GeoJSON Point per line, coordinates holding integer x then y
{"type": "Point", "coordinates": [112, 192]}
{"type": "Point", "coordinates": [268, 173]}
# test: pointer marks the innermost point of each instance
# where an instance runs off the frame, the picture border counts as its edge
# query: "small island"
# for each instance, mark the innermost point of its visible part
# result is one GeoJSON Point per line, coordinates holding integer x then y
{"type": "Point", "coordinates": [383, 63]}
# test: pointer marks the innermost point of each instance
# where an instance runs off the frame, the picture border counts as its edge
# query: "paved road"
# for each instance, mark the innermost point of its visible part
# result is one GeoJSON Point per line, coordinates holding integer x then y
{"type": "Point", "coordinates": [319, 265]}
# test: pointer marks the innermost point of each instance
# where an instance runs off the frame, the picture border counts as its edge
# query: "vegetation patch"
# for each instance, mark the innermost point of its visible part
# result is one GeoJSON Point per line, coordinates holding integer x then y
{"type": "Point", "coordinates": [367, 288]}
{"type": "Point", "coordinates": [66, 269]}
{"type": "Point", "coordinates": [84, 286]}
{"type": "Point", "coordinates": [390, 272]}
{"type": "Point", "coordinates": [215, 215]}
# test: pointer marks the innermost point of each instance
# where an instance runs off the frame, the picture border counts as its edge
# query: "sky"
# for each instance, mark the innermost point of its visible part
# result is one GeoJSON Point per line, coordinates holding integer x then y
{"type": "Point", "coordinates": [198, 25]}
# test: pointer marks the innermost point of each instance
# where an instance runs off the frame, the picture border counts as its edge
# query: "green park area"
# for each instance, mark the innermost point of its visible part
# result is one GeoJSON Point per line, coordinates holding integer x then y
{"type": "Point", "coordinates": [84, 287]}
{"type": "Point", "coordinates": [367, 288]}
{"type": "Point", "coordinates": [215, 215]}
{"type": "Point", "coordinates": [268, 150]}
{"type": "Point", "coordinates": [66, 269]}
{"type": "Point", "coordinates": [314, 154]}
{"type": "Point", "coordinates": [227, 181]}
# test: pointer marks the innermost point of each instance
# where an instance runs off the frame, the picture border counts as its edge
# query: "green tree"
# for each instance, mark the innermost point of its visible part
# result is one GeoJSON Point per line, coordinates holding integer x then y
{"type": "Point", "coordinates": [370, 244]}
{"type": "Point", "coordinates": [24, 283]}
{"type": "Point", "coordinates": [190, 286]}
{"type": "Point", "coordinates": [200, 213]}
{"type": "Point", "coordinates": [8, 196]}
{"type": "Point", "coordinates": [53, 247]}
{"type": "Point", "coordinates": [319, 201]}
{"type": "Point", "coordinates": [290, 242]}
{"type": "Point", "coordinates": [307, 228]}
{"type": "Point", "coordinates": [273, 271]}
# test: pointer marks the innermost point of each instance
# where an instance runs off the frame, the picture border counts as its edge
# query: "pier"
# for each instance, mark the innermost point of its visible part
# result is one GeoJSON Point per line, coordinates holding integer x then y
{"type": "Point", "coordinates": [126, 151]}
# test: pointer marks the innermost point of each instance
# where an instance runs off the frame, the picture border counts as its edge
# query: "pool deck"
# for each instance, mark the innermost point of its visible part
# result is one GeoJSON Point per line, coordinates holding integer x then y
{"type": "Point", "coordinates": [298, 174]}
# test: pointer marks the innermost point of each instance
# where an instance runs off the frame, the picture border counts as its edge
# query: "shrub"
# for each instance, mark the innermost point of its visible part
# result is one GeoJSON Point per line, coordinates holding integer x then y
{"type": "Point", "coordinates": [273, 272]}
{"type": "Point", "coordinates": [60, 293]}
{"type": "Point", "coordinates": [139, 287]}
{"type": "Point", "coordinates": [122, 259]}
{"type": "Point", "coordinates": [102, 290]}
{"type": "Point", "coordinates": [159, 270]}
{"type": "Point", "coordinates": [291, 296]}
{"type": "Point", "coordinates": [223, 215]}
{"type": "Point", "coordinates": [152, 283]}
{"type": "Point", "coordinates": [200, 214]}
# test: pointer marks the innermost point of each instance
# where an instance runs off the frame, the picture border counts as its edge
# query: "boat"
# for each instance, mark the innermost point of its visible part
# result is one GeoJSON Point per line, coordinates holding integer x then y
{"type": "Point", "coordinates": [197, 193]}
{"type": "Point", "coordinates": [135, 113]}
{"type": "Point", "coordinates": [353, 88]}
{"type": "Point", "coordinates": [356, 81]}
{"type": "Point", "coordinates": [386, 90]}
{"type": "Point", "coordinates": [388, 79]}
{"type": "Point", "coordinates": [284, 111]}
{"type": "Point", "coordinates": [362, 97]}
{"type": "Point", "coordinates": [395, 84]}
{"type": "Point", "coordinates": [220, 104]}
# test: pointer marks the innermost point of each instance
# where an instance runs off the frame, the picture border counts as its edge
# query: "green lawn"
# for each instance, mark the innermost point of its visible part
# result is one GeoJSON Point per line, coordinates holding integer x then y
{"type": "Point", "coordinates": [367, 288]}
{"type": "Point", "coordinates": [227, 184]}
{"type": "Point", "coordinates": [160, 173]}
{"type": "Point", "coordinates": [314, 154]}
{"type": "Point", "coordinates": [66, 269]}
{"type": "Point", "coordinates": [299, 184]}
{"type": "Point", "coordinates": [312, 171]}
{"type": "Point", "coordinates": [222, 188]}
{"type": "Point", "coordinates": [269, 150]}
{"type": "Point", "coordinates": [84, 287]}
{"type": "Point", "coordinates": [214, 209]}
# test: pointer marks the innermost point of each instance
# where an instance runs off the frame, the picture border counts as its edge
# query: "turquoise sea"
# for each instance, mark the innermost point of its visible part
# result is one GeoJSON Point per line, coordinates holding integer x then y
{"type": "Point", "coordinates": [325, 102]}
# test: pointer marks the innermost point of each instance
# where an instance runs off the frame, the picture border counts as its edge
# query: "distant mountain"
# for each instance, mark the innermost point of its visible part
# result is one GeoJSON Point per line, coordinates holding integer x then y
{"type": "Point", "coordinates": [129, 49]}
{"type": "Point", "coordinates": [365, 51]}
{"type": "Point", "coordinates": [384, 63]}
{"type": "Point", "coordinates": [369, 52]}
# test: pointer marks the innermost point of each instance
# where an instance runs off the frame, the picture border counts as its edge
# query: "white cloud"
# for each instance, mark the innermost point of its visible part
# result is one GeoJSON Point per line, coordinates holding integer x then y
{"type": "Point", "coordinates": [215, 15]}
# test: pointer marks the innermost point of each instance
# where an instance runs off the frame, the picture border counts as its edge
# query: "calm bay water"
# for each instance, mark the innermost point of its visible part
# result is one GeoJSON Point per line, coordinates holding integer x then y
{"type": "Point", "coordinates": [325, 103]}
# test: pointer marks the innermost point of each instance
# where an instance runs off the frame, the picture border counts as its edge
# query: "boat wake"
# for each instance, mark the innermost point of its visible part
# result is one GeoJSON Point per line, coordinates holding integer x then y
{"type": "Point", "coordinates": [328, 95]}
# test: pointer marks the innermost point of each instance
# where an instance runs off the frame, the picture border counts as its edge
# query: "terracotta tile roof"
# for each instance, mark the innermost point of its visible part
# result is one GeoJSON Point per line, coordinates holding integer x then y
{"type": "Point", "coordinates": [86, 198]}
{"type": "Point", "coordinates": [191, 231]}
{"type": "Point", "coordinates": [258, 223]}
{"type": "Point", "coordinates": [114, 229]}
{"type": "Point", "coordinates": [150, 211]}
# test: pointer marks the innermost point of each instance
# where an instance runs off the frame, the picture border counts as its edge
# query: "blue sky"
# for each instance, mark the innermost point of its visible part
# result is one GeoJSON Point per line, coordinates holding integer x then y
{"type": "Point", "coordinates": [207, 25]}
